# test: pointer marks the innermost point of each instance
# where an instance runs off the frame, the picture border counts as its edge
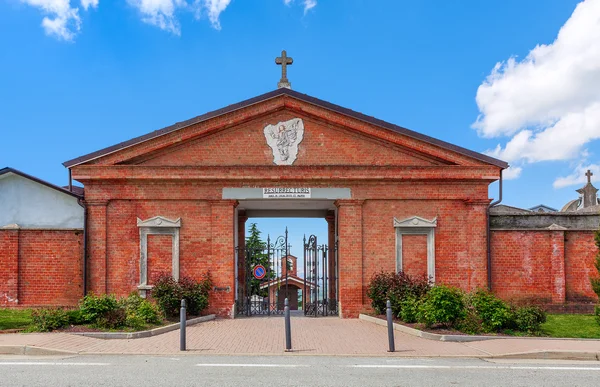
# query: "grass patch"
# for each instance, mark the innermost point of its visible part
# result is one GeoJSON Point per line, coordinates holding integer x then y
{"type": "Point", "coordinates": [571, 326]}
{"type": "Point", "coordinates": [14, 318]}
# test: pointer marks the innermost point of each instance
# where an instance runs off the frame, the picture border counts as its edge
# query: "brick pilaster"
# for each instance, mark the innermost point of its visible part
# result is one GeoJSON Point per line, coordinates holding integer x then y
{"type": "Point", "coordinates": [222, 266]}
{"type": "Point", "coordinates": [97, 253]}
{"type": "Point", "coordinates": [557, 266]}
{"type": "Point", "coordinates": [9, 266]}
{"type": "Point", "coordinates": [350, 257]}
{"type": "Point", "coordinates": [331, 268]}
{"type": "Point", "coordinates": [241, 280]}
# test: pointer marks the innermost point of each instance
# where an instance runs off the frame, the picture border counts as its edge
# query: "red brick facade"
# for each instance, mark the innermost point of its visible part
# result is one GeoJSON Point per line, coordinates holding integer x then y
{"type": "Point", "coordinates": [41, 267]}
{"type": "Point", "coordinates": [182, 174]}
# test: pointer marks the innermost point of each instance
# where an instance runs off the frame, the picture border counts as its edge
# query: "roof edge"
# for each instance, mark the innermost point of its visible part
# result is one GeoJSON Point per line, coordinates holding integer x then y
{"type": "Point", "coordinates": [6, 170]}
{"type": "Point", "coordinates": [302, 97]}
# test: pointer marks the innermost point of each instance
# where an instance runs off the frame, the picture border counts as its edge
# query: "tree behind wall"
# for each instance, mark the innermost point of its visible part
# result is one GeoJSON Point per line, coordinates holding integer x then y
{"type": "Point", "coordinates": [255, 248]}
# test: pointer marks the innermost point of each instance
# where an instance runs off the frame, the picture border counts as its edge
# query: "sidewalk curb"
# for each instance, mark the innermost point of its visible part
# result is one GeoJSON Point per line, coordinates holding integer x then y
{"type": "Point", "coordinates": [431, 336]}
{"type": "Point", "coordinates": [551, 355]}
{"type": "Point", "coordinates": [459, 338]}
{"type": "Point", "coordinates": [31, 351]}
{"type": "Point", "coordinates": [142, 334]}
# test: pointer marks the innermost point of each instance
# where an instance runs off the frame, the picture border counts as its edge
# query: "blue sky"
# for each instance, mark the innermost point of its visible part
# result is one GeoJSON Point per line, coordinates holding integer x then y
{"type": "Point", "coordinates": [78, 76]}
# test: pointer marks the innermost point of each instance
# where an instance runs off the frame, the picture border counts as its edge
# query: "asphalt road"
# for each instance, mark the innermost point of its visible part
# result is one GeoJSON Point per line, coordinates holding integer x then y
{"type": "Point", "coordinates": [141, 371]}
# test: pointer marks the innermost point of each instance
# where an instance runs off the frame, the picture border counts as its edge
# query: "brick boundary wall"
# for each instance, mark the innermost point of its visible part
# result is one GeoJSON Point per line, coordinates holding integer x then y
{"type": "Point", "coordinates": [40, 267]}
{"type": "Point", "coordinates": [550, 267]}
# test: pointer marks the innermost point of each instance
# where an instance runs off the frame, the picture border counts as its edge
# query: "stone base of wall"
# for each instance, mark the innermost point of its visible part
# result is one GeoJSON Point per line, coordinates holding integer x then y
{"type": "Point", "coordinates": [570, 308]}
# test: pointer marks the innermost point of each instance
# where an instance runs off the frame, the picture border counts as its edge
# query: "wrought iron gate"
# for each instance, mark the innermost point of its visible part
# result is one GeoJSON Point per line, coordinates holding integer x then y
{"type": "Point", "coordinates": [320, 296]}
{"type": "Point", "coordinates": [315, 294]}
{"type": "Point", "coordinates": [262, 296]}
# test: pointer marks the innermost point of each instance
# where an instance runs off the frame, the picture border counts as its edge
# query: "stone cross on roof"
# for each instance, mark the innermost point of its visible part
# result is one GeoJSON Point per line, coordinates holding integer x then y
{"type": "Point", "coordinates": [589, 192]}
{"type": "Point", "coordinates": [284, 61]}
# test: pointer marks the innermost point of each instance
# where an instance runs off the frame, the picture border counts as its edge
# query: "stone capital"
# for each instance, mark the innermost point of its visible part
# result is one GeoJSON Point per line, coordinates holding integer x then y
{"type": "Point", "coordinates": [96, 202]}
{"type": "Point", "coordinates": [349, 202]}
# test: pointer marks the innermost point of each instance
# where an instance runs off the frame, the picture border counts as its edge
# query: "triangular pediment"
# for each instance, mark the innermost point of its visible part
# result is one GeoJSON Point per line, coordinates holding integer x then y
{"type": "Point", "coordinates": [285, 128]}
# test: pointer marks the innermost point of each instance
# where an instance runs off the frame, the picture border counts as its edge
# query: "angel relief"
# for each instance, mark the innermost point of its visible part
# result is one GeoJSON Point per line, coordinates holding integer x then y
{"type": "Point", "coordinates": [284, 138]}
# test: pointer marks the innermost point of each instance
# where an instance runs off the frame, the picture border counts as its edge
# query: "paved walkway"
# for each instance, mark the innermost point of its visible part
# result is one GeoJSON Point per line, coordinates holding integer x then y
{"type": "Point", "coordinates": [265, 336]}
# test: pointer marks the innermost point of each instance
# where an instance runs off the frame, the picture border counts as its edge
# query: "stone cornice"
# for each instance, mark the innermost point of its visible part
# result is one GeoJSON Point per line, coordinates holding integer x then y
{"type": "Point", "coordinates": [287, 173]}
{"type": "Point", "coordinates": [159, 221]}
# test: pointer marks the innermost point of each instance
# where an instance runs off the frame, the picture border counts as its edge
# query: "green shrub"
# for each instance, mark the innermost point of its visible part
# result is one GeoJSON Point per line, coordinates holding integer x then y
{"type": "Point", "coordinates": [529, 318]}
{"type": "Point", "coordinates": [75, 317]}
{"type": "Point", "coordinates": [94, 308]}
{"type": "Point", "coordinates": [442, 305]}
{"type": "Point", "coordinates": [132, 302]}
{"type": "Point", "coordinates": [395, 287]}
{"type": "Point", "coordinates": [409, 308]}
{"type": "Point", "coordinates": [597, 313]}
{"type": "Point", "coordinates": [471, 323]}
{"type": "Point", "coordinates": [168, 293]}
{"type": "Point", "coordinates": [112, 319]}
{"type": "Point", "coordinates": [46, 320]}
{"type": "Point", "coordinates": [495, 314]}
{"type": "Point", "coordinates": [149, 312]}
{"type": "Point", "coordinates": [139, 311]}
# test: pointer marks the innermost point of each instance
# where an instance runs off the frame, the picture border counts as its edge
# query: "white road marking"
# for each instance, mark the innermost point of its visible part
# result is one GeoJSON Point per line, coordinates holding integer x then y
{"type": "Point", "coordinates": [45, 363]}
{"type": "Point", "coordinates": [424, 366]}
{"type": "Point", "coordinates": [251, 365]}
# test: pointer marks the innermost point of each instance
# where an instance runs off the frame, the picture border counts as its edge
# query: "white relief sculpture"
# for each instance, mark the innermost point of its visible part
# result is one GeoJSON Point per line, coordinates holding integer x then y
{"type": "Point", "coordinates": [284, 138]}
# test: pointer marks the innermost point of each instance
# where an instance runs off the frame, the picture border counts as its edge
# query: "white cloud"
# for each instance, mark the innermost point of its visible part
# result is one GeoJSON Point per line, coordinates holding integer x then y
{"type": "Point", "coordinates": [62, 21]}
{"type": "Point", "coordinates": [548, 103]}
{"type": "Point", "coordinates": [512, 173]}
{"type": "Point", "coordinates": [89, 3]}
{"type": "Point", "coordinates": [214, 8]}
{"type": "Point", "coordinates": [578, 176]}
{"type": "Point", "coordinates": [160, 13]}
{"type": "Point", "coordinates": [308, 4]}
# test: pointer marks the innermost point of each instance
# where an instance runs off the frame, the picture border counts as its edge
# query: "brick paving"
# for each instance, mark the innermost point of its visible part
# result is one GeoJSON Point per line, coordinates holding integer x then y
{"type": "Point", "coordinates": [265, 336]}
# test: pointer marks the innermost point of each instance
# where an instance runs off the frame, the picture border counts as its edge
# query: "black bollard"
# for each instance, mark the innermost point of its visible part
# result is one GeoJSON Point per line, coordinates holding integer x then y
{"type": "Point", "coordinates": [288, 331]}
{"type": "Point", "coordinates": [182, 324]}
{"type": "Point", "coordinates": [390, 324]}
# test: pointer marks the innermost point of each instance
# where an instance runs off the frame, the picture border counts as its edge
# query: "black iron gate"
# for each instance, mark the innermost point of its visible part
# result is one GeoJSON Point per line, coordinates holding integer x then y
{"type": "Point", "coordinates": [262, 296]}
{"type": "Point", "coordinates": [320, 296]}
{"type": "Point", "coordinates": [315, 293]}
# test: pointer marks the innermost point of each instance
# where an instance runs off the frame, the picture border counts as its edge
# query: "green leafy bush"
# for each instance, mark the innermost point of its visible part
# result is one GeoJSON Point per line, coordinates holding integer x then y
{"type": "Point", "coordinates": [113, 319]}
{"type": "Point", "coordinates": [95, 309]}
{"type": "Point", "coordinates": [409, 308]}
{"type": "Point", "coordinates": [529, 318]}
{"type": "Point", "coordinates": [597, 313]}
{"type": "Point", "coordinates": [396, 287]}
{"type": "Point", "coordinates": [169, 292]}
{"type": "Point", "coordinates": [495, 314]}
{"type": "Point", "coordinates": [471, 323]}
{"type": "Point", "coordinates": [75, 317]}
{"type": "Point", "coordinates": [46, 320]}
{"type": "Point", "coordinates": [442, 305]}
{"type": "Point", "coordinates": [139, 311]}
